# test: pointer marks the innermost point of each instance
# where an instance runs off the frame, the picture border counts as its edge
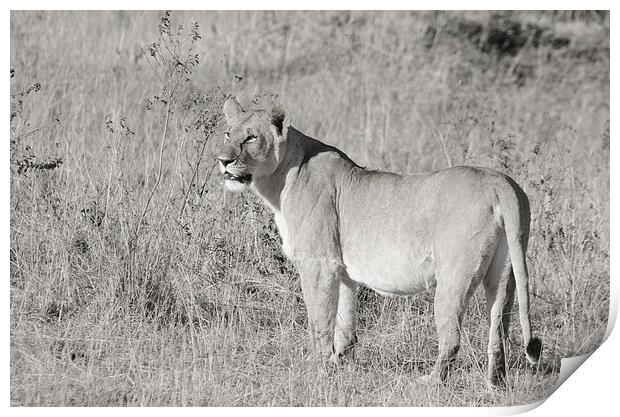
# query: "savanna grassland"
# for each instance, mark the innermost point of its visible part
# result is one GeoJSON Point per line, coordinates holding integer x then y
{"type": "Point", "coordinates": [135, 279]}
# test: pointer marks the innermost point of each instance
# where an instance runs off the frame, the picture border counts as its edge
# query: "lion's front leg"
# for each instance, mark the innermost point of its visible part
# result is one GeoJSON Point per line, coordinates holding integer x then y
{"type": "Point", "coordinates": [320, 281]}
{"type": "Point", "coordinates": [344, 335]}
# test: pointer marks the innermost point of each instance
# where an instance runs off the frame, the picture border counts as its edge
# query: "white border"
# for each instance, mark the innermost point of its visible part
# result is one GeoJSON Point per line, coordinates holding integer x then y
{"type": "Point", "coordinates": [593, 387]}
{"type": "Point", "coordinates": [312, 5]}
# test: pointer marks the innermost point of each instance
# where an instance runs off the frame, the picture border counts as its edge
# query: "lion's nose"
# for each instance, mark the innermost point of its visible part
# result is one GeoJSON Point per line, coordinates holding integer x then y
{"type": "Point", "coordinates": [225, 160]}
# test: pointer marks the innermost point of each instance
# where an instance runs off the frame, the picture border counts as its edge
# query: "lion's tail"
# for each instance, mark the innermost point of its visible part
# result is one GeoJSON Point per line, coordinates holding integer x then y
{"type": "Point", "coordinates": [516, 213]}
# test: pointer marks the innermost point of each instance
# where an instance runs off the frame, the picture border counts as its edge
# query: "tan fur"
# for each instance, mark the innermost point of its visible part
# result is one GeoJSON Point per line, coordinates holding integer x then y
{"type": "Point", "coordinates": [343, 225]}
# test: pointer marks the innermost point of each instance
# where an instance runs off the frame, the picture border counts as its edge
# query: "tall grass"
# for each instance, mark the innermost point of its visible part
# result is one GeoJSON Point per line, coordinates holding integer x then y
{"type": "Point", "coordinates": [136, 280]}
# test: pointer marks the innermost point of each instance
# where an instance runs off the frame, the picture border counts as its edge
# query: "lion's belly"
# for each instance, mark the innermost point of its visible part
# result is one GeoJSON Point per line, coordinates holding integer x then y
{"type": "Point", "coordinates": [392, 273]}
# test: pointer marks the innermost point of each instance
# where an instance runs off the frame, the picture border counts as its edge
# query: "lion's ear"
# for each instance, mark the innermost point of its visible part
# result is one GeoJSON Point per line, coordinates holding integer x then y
{"type": "Point", "coordinates": [280, 120]}
{"type": "Point", "coordinates": [232, 109]}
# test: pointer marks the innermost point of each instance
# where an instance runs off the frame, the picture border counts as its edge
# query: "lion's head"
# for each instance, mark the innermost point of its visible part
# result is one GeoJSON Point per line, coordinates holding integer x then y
{"type": "Point", "coordinates": [253, 143]}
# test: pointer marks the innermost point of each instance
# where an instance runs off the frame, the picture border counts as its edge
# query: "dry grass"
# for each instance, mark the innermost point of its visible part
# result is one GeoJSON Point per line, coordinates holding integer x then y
{"type": "Point", "coordinates": [135, 280]}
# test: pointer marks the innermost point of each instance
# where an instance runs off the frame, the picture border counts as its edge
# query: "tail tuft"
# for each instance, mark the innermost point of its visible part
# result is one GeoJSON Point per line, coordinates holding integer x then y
{"type": "Point", "coordinates": [533, 350]}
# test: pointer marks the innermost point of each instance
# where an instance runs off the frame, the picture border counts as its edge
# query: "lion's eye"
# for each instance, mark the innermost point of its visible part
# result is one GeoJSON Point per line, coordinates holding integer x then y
{"type": "Point", "coordinates": [249, 139]}
{"type": "Point", "coordinates": [227, 135]}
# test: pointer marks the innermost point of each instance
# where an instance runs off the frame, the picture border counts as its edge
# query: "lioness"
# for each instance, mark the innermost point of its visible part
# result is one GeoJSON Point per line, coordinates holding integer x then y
{"type": "Point", "coordinates": [343, 225]}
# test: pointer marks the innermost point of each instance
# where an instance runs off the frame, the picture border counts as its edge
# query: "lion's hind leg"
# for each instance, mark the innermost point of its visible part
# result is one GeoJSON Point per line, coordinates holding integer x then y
{"type": "Point", "coordinates": [499, 286]}
{"type": "Point", "coordinates": [448, 320]}
{"type": "Point", "coordinates": [458, 274]}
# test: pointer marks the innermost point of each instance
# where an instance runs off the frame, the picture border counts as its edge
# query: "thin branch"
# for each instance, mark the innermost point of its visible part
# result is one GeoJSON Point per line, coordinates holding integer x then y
{"type": "Point", "coordinates": [159, 171]}
{"type": "Point", "coordinates": [445, 150]}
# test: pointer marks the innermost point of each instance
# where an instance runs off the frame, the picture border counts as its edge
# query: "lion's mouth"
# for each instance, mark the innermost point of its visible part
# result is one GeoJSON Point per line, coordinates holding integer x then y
{"type": "Point", "coordinates": [243, 178]}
